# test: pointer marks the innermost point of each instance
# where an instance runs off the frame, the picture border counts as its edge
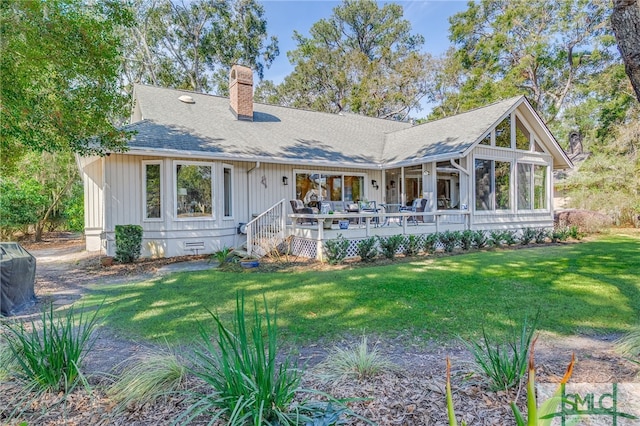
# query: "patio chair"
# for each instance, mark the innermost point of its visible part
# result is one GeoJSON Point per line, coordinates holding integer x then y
{"type": "Point", "coordinates": [418, 206]}
{"type": "Point", "coordinates": [352, 208]}
{"type": "Point", "coordinates": [370, 207]}
{"type": "Point", "coordinates": [298, 207]}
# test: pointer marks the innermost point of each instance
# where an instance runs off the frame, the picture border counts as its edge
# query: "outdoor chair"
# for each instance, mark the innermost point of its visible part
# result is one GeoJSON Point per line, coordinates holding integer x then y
{"type": "Point", "coordinates": [298, 207]}
{"type": "Point", "coordinates": [418, 206]}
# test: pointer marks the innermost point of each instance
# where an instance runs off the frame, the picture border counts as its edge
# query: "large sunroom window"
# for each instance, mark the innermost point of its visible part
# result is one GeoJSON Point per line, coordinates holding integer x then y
{"type": "Point", "coordinates": [532, 187]}
{"type": "Point", "coordinates": [193, 190]}
{"type": "Point", "coordinates": [493, 185]}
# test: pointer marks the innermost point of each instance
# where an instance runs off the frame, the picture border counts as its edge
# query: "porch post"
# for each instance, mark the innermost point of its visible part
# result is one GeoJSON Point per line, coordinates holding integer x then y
{"type": "Point", "coordinates": [319, 242]}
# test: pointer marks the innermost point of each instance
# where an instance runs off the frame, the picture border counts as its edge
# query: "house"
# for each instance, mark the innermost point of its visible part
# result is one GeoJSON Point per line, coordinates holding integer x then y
{"type": "Point", "coordinates": [200, 167]}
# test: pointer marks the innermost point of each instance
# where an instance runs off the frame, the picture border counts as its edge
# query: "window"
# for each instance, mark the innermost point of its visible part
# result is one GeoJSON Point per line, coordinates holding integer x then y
{"type": "Point", "coordinates": [312, 187]}
{"type": "Point", "coordinates": [524, 186]}
{"type": "Point", "coordinates": [523, 137]}
{"type": "Point", "coordinates": [227, 174]}
{"type": "Point", "coordinates": [503, 185]}
{"type": "Point", "coordinates": [152, 191]}
{"type": "Point", "coordinates": [503, 133]}
{"type": "Point", "coordinates": [493, 185]}
{"type": "Point", "coordinates": [486, 140]}
{"type": "Point", "coordinates": [540, 187]}
{"type": "Point", "coordinates": [193, 191]}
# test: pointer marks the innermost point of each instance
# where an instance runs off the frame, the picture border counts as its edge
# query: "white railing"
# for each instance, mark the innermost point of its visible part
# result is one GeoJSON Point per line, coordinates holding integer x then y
{"type": "Point", "coordinates": [268, 230]}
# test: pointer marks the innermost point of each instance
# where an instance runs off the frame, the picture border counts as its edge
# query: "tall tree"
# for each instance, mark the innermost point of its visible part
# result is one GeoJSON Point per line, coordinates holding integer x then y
{"type": "Point", "coordinates": [543, 49]}
{"type": "Point", "coordinates": [362, 59]}
{"type": "Point", "coordinates": [59, 73]}
{"type": "Point", "coordinates": [192, 45]}
{"type": "Point", "coordinates": [625, 21]}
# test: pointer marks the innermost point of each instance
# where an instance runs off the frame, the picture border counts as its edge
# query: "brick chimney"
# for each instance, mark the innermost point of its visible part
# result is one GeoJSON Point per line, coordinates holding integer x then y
{"type": "Point", "coordinates": [241, 92]}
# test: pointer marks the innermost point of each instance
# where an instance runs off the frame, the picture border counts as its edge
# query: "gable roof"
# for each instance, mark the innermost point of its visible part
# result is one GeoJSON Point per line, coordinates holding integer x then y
{"type": "Point", "coordinates": [208, 129]}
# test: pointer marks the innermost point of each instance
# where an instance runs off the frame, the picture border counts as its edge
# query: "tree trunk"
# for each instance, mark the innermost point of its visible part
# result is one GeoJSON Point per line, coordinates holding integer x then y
{"type": "Point", "coordinates": [625, 21]}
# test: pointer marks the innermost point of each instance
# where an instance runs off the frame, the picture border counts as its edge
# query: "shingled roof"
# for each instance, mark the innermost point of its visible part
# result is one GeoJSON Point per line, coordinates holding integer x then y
{"type": "Point", "coordinates": [208, 129]}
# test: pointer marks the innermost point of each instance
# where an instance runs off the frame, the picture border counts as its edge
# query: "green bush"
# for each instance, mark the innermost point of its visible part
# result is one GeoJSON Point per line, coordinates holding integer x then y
{"type": "Point", "coordinates": [411, 245]}
{"type": "Point", "coordinates": [50, 354]}
{"type": "Point", "coordinates": [466, 239]}
{"type": "Point", "coordinates": [128, 243]}
{"type": "Point", "coordinates": [480, 239]}
{"type": "Point", "coordinates": [450, 240]}
{"type": "Point", "coordinates": [430, 242]}
{"type": "Point", "coordinates": [504, 363]}
{"type": "Point", "coordinates": [367, 249]}
{"type": "Point", "coordinates": [336, 250]}
{"type": "Point", "coordinates": [559, 233]}
{"type": "Point", "coordinates": [528, 235]}
{"type": "Point", "coordinates": [496, 238]}
{"type": "Point", "coordinates": [248, 381]}
{"type": "Point", "coordinates": [389, 246]}
{"type": "Point", "coordinates": [541, 236]}
{"type": "Point", "coordinates": [509, 237]}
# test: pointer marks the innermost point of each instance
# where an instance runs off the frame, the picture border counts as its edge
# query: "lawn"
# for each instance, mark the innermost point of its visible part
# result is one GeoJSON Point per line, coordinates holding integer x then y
{"type": "Point", "coordinates": [583, 288]}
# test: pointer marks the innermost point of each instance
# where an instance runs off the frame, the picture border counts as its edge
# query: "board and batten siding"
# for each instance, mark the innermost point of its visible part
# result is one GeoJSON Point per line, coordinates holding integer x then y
{"type": "Point", "coordinates": [92, 175]}
{"type": "Point", "coordinates": [266, 187]}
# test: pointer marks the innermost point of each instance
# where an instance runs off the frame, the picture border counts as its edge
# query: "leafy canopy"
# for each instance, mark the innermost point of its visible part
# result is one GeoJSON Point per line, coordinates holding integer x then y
{"type": "Point", "coordinates": [59, 73]}
{"type": "Point", "coordinates": [362, 59]}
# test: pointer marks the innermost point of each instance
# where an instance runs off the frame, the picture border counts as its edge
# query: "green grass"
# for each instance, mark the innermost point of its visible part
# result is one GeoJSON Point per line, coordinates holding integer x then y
{"type": "Point", "coordinates": [590, 287]}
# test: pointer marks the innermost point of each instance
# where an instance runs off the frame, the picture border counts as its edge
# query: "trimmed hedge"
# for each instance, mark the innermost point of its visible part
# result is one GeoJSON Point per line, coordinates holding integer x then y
{"type": "Point", "coordinates": [128, 243]}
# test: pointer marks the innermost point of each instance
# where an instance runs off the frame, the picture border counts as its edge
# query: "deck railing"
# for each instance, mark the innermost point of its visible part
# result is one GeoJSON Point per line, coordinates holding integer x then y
{"type": "Point", "coordinates": [268, 230]}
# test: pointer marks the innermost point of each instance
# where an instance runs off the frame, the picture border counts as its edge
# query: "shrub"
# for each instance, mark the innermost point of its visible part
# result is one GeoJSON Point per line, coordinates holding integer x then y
{"type": "Point", "coordinates": [222, 256]}
{"type": "Point", "coordinates": [336, 250]}
{"type": "Point", "coordinates": [559, 234]}
{"type": "Point", "coordinates": [509, 237]}
{"type": "Point", "coordinates": [449, 240]}
{"type": "Point", "coordinates": [541, 235]}
{"type": "Point", "coordinates": [466, 239]}
{"type": "Point", "coordinates": [586, 221]}
{"type": "Point", "coordinates": [390, 245]}
{"type": "Point", "coordinates": [629, 344]}
{"type": "Point", "coordinates": [574, 232]}
{"type": "Point", "coordinates": [504, 363]}
{"type": "Point", "coordinates": [496, 238]}
{"type": "Point", "coordinates": [411, 245]}
{"type": "Point", "coordinates": [147, 378]}
{"type": "Point", "coordinates": [430, 242]}
{"type": "Point", "coordinates": [358, 362]}
{"type": "Point", "coordinates": [367, 249]}
{"type": "Point", "coordinates": [480, 239]}
{"type": "Point", "coordinates": [528, 234]}
{"type": "Point", "coordinates": [50, 358]}
{"type": "Point", "coordinates": [249, 385]}
{"type": "Point", "coordinates": [128, 243]}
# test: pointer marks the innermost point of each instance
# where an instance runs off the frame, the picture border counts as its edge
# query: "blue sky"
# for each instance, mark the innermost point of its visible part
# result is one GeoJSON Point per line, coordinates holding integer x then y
{"type": "Point", "coordinates": [427, 17]}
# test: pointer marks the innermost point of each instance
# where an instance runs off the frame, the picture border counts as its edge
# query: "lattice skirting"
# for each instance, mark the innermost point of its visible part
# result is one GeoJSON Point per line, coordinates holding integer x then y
{"type": "Point", "coordinates": [304, 247]}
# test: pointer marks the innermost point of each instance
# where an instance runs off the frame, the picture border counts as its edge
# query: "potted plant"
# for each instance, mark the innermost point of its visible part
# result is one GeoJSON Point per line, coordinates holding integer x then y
{"type": "Point", "coordinates": [328, 222]}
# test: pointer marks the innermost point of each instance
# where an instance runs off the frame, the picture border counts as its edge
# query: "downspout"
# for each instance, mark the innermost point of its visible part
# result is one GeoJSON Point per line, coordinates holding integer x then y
{"type": "Point", "coordinates": [250, 206]}
{"type": "Point", "coordinates": [458, 166]}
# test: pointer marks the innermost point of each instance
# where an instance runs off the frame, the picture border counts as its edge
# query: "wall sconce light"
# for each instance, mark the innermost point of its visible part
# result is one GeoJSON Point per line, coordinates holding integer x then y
{"type": "Point", "coordinates": [285, 180]}
{"type": "Point", "coordinates": [374, 183]}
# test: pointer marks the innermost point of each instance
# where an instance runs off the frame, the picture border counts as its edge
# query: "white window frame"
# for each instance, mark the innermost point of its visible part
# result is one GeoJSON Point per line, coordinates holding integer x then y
{"type": "Point", "coordinates": [175, 190]}
{"type": "Point", "coordinates": [328, 172]}
{"type": "Point", "coordinates": [145, 217]}
{"type": "Point", "coordinates": [512, 190]}
{"type": "Point", "coordinates": [532, 188]}
{"type": "Point", "coordinates": [231, 189]}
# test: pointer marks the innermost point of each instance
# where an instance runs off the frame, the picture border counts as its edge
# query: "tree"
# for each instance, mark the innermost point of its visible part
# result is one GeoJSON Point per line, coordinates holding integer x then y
{"type": "Point", "coordinates": [192, 46]}
{"type": "Point", "coordinates": [625, 21]}
{"type": "Point", "coordinates": [59, 73]}
{"type": "Point", "coordinates": [544, 49]}
{"type": "Point", "coordinates": [42, 190]}
{"type": "Point", "coordinates": [362, 59]}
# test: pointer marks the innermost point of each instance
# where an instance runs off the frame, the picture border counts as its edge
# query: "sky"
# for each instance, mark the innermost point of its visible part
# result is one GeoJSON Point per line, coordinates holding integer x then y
{"type": "Point", "coordinates": [428, 18]}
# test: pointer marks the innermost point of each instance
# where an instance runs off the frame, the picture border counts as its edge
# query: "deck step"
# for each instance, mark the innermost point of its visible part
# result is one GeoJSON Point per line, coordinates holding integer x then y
{"type": "Point", "coordinates": [241, 252]}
